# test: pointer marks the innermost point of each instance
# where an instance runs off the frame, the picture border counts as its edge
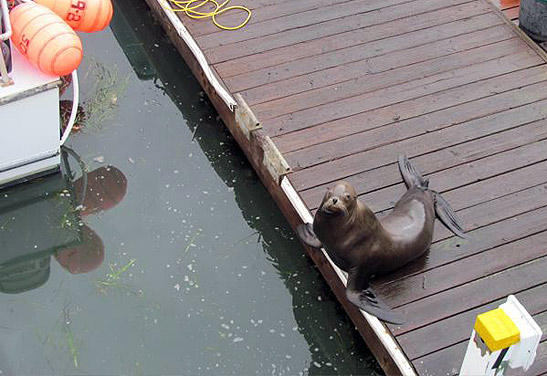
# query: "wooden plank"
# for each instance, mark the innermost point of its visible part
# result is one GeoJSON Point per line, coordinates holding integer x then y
{"type": "Point", "coordinates": [489, 107]}
{"type": "Point", "coordinates": [322, 135]}
{"type": "Point", "coordinates": [434, 281]}
{"type": "Point", "coordinates": [194, 25]}
{"type": "Point", "coordinates": [359, 57]}
{"type": "Point", "coordinates": [456, 329]}
{"type": "Point", "coordinates": [420, 83]}
{"type": "Point", "coordinates": [352, 165]}
{"type": "Point", "coordinates": [497, 186]}
{"type": "Point", "coordinates": [361, 142]}
{"type": "Point", "coordinates": [389, 175]}
{"type": "Point", "coordinates": [332, 58]}
{"type": "Point", "coordinates": [313, 31]}
{"type": "Point", "coordinates": [358, 89]}
{"type": "Point", "coordinates": [488, 212]}
{"type": "Point", "coordinates": [446, 362]}
{"type": "Point", "coordinates": [485, 238]}
{"type": "Point", "coordinates": [463, 150]}
{"type": "Point", "coordinates": [473, 294]}
{"type": "Point", "coordinates": [494, 160]}
{"type": "Point", "coordinates": [260, 12]}
{"type": "Point", "coordinates": [486, 189]}
{"type": "Point", "coordinates": [259, 59]}
{"type": "Point", "coordinates": [294, 21]}
{"type": "Point", "coordinates": [379, 79]}
{"type": "Point", "coordinates": [349, 117]}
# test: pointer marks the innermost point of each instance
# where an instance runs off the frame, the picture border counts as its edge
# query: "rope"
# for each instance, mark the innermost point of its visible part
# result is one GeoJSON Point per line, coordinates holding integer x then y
{"type": "Point", "coordinates": [191, 8]}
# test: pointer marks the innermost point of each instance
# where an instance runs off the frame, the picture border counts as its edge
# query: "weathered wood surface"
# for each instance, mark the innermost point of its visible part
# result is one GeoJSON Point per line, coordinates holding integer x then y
{"type": "Point", "coordinates": [344, 86]}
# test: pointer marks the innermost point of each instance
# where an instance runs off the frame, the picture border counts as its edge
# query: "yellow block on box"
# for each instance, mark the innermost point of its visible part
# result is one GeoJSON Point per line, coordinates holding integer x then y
{"type": "Point", "coordinates": [497, 329]}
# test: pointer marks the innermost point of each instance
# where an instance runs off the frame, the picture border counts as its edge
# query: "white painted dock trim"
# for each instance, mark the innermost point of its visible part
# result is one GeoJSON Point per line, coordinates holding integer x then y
{"type": "Point", "coordinates": [200, 57]}
{"type": "Point", "coordinates": [377, 326]}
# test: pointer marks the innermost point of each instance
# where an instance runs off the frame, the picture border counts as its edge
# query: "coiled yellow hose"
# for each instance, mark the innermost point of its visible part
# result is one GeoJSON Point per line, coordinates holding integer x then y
{"type": "Point", "coordinates": [191, 8]}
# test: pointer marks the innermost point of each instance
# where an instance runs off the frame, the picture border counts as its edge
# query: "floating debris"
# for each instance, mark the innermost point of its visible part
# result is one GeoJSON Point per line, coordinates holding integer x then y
{"type": "Point", "coordinates": [114, 280]}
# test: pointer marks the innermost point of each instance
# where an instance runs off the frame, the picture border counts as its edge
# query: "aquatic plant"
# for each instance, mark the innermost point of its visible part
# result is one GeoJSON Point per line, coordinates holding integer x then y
{"type": "Point", "coordinates": [66, 218]}
{"type": "Point", "coordinates": [191, 242]}
{"type": "Point", "coordinates": [69, 337]}
{"type": "Point", "coordinates": [62, 338]}
{"type": "Point", "coordinates": [108, 87]}
{"type": "Point", "coordinates": [226, 253]}
{"type": "Point", "coordinates": [113, 280]}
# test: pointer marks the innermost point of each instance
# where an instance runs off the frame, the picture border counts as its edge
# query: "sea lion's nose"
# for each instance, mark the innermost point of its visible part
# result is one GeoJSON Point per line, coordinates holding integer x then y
{"type": "Point", "coordinates": [334, 200]}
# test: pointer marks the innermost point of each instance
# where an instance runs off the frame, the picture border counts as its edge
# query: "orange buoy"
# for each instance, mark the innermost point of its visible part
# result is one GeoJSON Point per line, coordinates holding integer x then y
{"type": "Point", "coordinates": [82, 15]}
{"type": "Point", "coordinates": [45, 39]}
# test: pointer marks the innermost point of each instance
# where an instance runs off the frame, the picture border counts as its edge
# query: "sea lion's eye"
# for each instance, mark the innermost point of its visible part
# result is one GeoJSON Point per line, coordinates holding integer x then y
{"type": "Point", "coordinates": [347, 196]}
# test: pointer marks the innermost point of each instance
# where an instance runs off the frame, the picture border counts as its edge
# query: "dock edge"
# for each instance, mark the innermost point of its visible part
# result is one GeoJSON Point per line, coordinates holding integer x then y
{"type": "Point", "coordinates": [257, 147]}
{"type": "Point", "coordinates": [198, 54]}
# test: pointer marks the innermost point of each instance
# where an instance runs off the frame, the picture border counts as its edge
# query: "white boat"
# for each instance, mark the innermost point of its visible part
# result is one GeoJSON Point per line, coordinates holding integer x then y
{"type": "Point", "coordinates": [30, 136]}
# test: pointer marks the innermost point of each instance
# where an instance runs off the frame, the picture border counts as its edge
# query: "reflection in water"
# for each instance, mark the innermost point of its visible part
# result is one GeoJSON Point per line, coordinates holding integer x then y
{"type": "Point", "coordinates": [48, 213]}
{"type": "Point", "coordinates": [200, 272]}
{"type": "Point", "coordinates": [84, 257]}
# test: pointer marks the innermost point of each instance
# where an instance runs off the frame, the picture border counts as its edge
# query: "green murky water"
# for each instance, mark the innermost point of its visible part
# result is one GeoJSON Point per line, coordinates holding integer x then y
{"type": "Point", "coordinates": [171, 258]}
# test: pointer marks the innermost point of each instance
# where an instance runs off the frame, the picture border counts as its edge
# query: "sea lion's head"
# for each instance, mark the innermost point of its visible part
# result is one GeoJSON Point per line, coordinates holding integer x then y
{"type": "Point", "coordinates": [339, 200]}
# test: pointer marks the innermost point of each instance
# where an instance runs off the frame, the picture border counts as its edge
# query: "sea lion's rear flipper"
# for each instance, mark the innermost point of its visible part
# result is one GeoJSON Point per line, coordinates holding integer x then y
{"type": "Point", "coordinates": [369, 302]}
{"type": "Point", "coordinates": [447, 216]}
{"type": "Point", "coordinates": [360, 294]}
{"type": "Point", "coordinates": [410, 173]}
{"type": "Point", "coordinates": [306, 234]}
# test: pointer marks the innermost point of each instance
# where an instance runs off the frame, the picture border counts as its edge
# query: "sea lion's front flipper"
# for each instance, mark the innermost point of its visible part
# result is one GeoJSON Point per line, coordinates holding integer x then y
{"type": "Point", "coordinates": [368, 302]}
{"type": "Point", "coordinates": [410, 173]}
{"type": "Point", "coordinates": [306, 234]}
{"type": "Point", "coordinates": [447, 216]}
{"type": "Point", "coordinates": [365, 299]}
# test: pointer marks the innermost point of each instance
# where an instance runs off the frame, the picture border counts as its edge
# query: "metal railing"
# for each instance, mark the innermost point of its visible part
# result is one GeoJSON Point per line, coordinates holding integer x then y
{"type": "Point", "coordinates": [4, 20]}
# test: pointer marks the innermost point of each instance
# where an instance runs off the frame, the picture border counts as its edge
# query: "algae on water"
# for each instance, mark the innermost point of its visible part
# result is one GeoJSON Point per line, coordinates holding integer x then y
{"type": "Point", "coordinates": [102, 104]}
{"type": "Point", "coordinates": [114, 280]}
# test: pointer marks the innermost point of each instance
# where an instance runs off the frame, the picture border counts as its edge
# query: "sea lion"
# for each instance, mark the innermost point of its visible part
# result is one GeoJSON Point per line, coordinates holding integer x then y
{"type": "Point", "coordinates": [362, 245]}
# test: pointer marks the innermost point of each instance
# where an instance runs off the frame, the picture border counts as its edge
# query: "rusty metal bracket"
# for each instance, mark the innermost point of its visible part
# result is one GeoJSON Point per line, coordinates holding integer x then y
{"type": "Point", "coordinates": [248, 123]}
{"type": "Point", "coordinates": [245, 118]}
{"type": "Point", "coordinates": [274, 161]}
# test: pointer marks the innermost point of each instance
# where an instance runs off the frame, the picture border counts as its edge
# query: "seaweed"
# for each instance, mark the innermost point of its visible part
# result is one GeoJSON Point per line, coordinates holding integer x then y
{"type": "Point", "coordinates": [113, 280]}
{"type": "Point", "coordinates": [70, 341]}
{"type": "Point", "coordinates": [107, 89]}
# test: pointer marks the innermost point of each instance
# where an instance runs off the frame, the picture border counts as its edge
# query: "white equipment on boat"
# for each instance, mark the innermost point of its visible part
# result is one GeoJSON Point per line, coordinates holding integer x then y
{"type": "Point", "coordinates": [506, 337]}
{"type": "Point", "coordinates": [29, 116]}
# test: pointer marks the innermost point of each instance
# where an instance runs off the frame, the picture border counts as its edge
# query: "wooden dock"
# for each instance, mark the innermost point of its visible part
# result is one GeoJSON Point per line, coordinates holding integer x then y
{"type": "Point", "coordinates": [340, 88]}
